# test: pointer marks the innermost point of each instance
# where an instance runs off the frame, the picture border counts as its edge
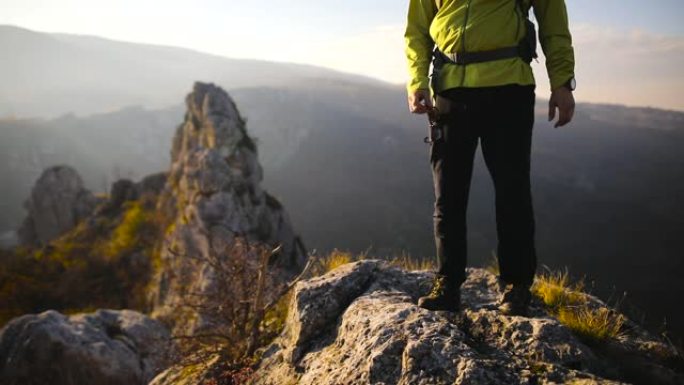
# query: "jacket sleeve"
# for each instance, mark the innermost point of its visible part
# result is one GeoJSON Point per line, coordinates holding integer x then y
{"type": "Point", "coordinates": [555, 39]}
{"type": "Point", "coordinates": [418, 43]}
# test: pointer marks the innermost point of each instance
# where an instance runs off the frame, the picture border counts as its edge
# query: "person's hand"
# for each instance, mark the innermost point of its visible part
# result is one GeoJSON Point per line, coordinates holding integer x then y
{"type": "Point", "coordinates": [562, 99]}
{"type": "Point", "coordinates": [419, 101]}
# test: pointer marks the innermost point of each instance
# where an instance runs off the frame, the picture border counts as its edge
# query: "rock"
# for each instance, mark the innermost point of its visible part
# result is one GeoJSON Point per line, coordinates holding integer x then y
{"type": "Point", "coordinates": [213, 193]}
{"type": "Point", "coordinates": [9, 240]}
{"type": "Point", "coordinates": [121, 191]}
{"type": "Point", "coordinates": [106, 347]}
{"type": "Point", "coordinates": [125, 190]}
{"type": "Point", "coordinates": [152, 184]}
{"type": "Point", "coordinates": [359, 324]}
{"type": "Point", "coordinates": [57, 203]}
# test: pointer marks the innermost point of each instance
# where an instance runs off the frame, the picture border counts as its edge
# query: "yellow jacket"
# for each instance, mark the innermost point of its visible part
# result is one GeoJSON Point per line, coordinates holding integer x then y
{"type": "Point", "coordinates": [480, 25]}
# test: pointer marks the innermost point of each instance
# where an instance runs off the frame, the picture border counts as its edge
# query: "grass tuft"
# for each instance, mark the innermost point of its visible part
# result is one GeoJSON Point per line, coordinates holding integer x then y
{"type": "Point", "coordinates": [337, 258]}
{"type": "Point", "coordinates": [556, 291]}
{"type": "Point", "coordinates": [333, 260]}
{"type": "Point", "coordinates": [592, 324]}
{"type": "Point", "coordinates": [407, 262]}
{"type": "Point", "coordinates": [570, 305]}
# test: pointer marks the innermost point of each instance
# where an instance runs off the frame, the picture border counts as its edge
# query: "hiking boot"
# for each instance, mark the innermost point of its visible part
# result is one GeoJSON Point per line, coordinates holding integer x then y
{"type": "Point", "coordinates": [444, 295]}
{"type": "Point", "coordinates": [515, 300]}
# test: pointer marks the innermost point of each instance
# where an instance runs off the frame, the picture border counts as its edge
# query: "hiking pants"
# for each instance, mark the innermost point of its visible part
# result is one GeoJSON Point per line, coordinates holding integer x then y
{"type": "Point", "coordinates": [501, 119]}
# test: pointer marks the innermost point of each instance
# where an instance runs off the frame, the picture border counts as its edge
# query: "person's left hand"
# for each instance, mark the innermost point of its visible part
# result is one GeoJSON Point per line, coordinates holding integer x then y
{"type": "Point", "coordinates": [562, 99]}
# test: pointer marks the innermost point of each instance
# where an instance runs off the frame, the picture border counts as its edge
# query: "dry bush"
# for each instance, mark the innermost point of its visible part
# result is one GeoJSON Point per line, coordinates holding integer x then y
{"type": "Point", "coordinates": [242, 310]}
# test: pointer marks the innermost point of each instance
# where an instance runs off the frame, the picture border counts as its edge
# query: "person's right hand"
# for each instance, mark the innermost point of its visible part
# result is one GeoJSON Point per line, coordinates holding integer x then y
{"type": "Point", "coordinates": [419, 101]}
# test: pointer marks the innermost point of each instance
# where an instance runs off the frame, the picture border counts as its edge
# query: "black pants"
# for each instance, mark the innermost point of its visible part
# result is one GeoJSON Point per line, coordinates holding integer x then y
{"type": "Point", "coordinates": [501, 118]}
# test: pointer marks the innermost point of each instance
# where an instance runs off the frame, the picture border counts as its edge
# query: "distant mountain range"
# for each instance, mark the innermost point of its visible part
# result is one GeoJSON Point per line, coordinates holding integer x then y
{"type": "Point", "coordinates": [346, 157]}
{"type": "Point", "coordinates": [46, 75]}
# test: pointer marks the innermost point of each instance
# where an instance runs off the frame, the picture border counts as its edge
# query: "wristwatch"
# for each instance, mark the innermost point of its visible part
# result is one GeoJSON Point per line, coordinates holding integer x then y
{"type": "Point", "coordinates": [571, 84]}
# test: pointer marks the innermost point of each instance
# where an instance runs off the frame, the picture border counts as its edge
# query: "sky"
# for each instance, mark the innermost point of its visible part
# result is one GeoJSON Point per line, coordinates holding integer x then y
{"type": "Point", "coordinates": [627, 51]}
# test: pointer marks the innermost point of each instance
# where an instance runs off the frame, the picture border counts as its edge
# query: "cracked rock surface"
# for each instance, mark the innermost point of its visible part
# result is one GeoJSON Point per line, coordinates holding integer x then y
{"type": "Point", "coordinates": [359, 324]}
{"type": "Point", "coordinates": [106, 347]}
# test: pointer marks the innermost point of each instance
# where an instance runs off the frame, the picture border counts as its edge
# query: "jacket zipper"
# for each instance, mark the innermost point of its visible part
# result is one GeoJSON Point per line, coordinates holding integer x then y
{"type": "Point", "coordinates": [463, 36]}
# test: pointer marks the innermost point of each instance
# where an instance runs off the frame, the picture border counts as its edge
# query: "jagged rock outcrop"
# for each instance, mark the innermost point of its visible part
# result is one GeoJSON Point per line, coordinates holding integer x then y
{"type": "Point", "coordinates": [57, 203]}
{"type": "Point", "coordinates": [213, 193]}
{"type": "Point", "coordinates": [124, 190]}
{"type": "Point", "coordinates": [360, 324]}
{"type": "Point", "coordinates": [106, 347]}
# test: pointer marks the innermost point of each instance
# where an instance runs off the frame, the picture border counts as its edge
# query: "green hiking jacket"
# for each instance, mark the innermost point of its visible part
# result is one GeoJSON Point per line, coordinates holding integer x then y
{"type": "Point", "coordinates": [479, 25]}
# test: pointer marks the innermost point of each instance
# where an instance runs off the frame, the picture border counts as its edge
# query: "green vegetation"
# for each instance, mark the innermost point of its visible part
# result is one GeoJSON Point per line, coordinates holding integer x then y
{"type": "Point", "coordinates": [127, 235]}
{"type": "Point", "coordinates": [104, 262]}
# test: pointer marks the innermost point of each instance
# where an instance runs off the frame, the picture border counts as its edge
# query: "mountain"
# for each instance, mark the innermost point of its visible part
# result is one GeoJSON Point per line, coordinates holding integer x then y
{"type": "Point", "coordinates": [347, 159]}
{"type": "Point", "coordinates": [607, 192]}
{"type": "Point", "coordinates": [187, 246]}
{"type": "Point", "coordinates": [48, 75]}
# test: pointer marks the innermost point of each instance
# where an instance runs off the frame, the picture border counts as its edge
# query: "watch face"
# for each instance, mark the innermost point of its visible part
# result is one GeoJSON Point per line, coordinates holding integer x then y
{"type": "Point", "coordinates": [572, 83]}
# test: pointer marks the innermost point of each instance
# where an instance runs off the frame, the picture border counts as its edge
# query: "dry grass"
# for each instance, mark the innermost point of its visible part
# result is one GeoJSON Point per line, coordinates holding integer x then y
{"type": "Point", "coordinates": [556, 291]}
{"type": "Point", "coordinates": [592, 324]}
{"type": "Point", "coordinates": [337, 258]}
{"type": "Point", "coordinates": [331, 261]}
{"type": "Point", "coordinates": [407, 262]}
{"type": "Point", "coordinates": [570, 305]}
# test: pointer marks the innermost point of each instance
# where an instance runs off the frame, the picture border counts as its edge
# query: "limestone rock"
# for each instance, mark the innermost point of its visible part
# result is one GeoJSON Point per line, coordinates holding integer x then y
{"type": "Point", "coordinates": [124, 190]}
{"type": "Point", "coordinates": [57, 203]}
{"type": "Point", "coordinates": [359, 324]}
{"type": "Point", "coordinates": [214, 194]}
{"type": "Point", "coordinates": [9, 240]}
{"type": "Point", "coordinates": [106, 347]}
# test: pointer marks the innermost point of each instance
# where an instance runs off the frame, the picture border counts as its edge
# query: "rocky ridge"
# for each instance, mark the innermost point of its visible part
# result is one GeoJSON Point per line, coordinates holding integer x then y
{"type": "Point", "coordinates": [359, 324]}
{"type": "Point", "coordinates": [214, 194]}
{"type": "Point", "coordinates": [209, 198]}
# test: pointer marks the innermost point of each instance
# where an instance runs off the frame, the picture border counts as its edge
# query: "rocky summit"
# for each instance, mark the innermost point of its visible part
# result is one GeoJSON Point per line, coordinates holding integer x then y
{"type": "Point", "coordinates": [106, 347]}
{"type": "Point", "coordinates": [359, 324]}
{"type": "Point", "coordinates": [213, 194]}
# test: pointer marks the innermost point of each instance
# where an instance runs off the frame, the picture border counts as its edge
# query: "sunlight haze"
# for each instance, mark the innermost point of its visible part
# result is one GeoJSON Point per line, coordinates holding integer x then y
{"type": "Point", "coordinates": [626, 53]}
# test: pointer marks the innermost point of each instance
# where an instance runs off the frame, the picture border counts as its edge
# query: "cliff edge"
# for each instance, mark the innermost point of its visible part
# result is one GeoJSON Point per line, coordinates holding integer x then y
{"type": "Point", "coordinates": [359, 324]}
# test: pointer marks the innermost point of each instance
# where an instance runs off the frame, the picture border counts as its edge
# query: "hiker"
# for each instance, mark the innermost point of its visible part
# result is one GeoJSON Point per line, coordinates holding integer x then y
{"type": "Point", "coordinates": [483, 89]}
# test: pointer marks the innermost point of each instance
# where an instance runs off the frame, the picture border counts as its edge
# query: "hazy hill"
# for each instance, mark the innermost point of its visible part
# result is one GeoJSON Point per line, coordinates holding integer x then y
{"type": "Point", "coordinates": [51, 74]}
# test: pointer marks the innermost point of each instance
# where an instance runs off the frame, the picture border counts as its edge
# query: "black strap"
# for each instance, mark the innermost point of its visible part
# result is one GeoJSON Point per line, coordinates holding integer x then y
{"type": "Point", "coordinates": [464, 58]}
